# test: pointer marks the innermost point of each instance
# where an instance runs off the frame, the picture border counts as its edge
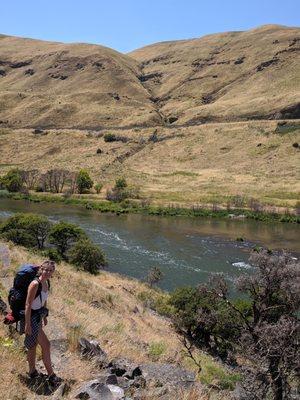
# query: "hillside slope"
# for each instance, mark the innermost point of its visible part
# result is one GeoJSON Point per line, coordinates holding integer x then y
{"type": "Point", "coordinates": [223, 77]}
{"type": "Point", "coordinates": [47, 84]}
{"type": "Point", "coordinates": [198, 121]}
{"type": "Point", "coordinates": [107, 308]}
{"type": "Point", "coordinates": [228, 76]}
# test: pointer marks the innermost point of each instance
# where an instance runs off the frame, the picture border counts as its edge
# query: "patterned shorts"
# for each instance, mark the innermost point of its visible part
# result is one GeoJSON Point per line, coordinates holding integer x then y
{"type": "Point", "coordinates": [36, 324]}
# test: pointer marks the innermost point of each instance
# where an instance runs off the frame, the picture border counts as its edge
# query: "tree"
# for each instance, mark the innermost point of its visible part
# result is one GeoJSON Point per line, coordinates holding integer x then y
{"type": "Point", "coordinates": [12, 181]}
{"type": "Point", "coordinates": [39, 226]}
{"type": "Point", "coordinates": [63, 235]}
{"type": "Point", "coordinates": [84, 181]}
{"type": "Point", "coordinates": [155, 275]}
{"type": "Point", "coordinates": [87, 256]}
{"type": "Point", "coordinates": [30, 178]}
{"type": "Point", "coordinates": [30, 230]}
{"type": "Point", "coordinates": [262, 330]}
{"type": "Point", "coordinates": [72, 179]}
{"type": "Point", "coordinates": [120, 183]}
{"type": "Point", "coordinates": [98, 187]}
{"type": "Point", "coordinates": [118, 192]}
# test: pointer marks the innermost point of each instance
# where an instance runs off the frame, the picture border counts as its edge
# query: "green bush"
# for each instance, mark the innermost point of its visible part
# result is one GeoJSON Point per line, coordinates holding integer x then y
{"type": "Point", "coordinates": [4, 193]}
{"type": "Point", "coordinates": [98, 187]}
{"type": "Point", "coordinates": [154, 276]}
{"type": "Point", "coordinates": [19, 237]}
{"type": "Point", "coordinates": [87, 256]}
{"type": "Point", "coordinates": [83, 181]}
{"type": "Point", "coordinates": [259, 330]}
{"type": "Point", "coordinates": [214, 375]}
{"type": "Point", "coordinates": [52, 254]}
{"type": "Point", "coordinates": [120, 183]}
{"type": "Point", "coordinates": [12, 181]}
{"type": "Point", "coordinates": [109, 137]}
{"type": "Point", "coordinates": [118, 193]}
{"type": "Point", "coordinates": [30, 230]}
{"type": "Point", "coordinates": [63, 235]}
{"type": "Point", "coordinates": [156, 350]}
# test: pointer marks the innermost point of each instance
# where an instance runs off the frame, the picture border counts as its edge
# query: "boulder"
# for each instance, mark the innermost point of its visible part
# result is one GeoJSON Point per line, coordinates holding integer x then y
{"type": "Point", "coordinates": [167, 374]}
{"type": "Point", "coordinates": [124, 367]}
{"type": "Point", "coordinates": [92, 350]}
{"type": "Point", "coordinates": [96, 390]}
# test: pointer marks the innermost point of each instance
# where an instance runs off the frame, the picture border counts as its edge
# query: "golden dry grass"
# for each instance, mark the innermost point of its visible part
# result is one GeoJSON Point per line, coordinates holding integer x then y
{"type": "Point", "coordinates": [200, 164]}
{"type": "Point", "coordinates": [216, 77]}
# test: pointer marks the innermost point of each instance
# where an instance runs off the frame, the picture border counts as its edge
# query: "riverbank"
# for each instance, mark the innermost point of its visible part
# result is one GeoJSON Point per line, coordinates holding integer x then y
{"type": "Point", "coordinates": [130, 206]}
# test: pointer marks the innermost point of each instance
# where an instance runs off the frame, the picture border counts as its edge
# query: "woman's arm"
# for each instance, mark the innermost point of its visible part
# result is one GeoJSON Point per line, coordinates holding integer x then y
{"type": "Point", "coordinates": [32, 289]}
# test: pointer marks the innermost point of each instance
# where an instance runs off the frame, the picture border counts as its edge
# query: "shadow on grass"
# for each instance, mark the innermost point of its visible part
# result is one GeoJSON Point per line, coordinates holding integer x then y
{"type": "Point", "coordinates": [42, 387]}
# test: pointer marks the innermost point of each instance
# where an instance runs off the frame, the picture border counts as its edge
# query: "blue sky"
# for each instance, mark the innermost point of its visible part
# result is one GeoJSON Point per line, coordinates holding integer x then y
{"type": "Point", "coordinates": [127, 24]}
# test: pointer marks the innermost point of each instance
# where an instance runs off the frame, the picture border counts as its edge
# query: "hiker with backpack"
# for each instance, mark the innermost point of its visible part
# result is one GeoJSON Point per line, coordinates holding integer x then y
{"type": "Point", "coordinates": [28, 300]}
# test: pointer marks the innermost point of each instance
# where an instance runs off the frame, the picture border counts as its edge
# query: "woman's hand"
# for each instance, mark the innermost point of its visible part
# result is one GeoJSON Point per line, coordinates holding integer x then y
{"type": "Point", "coordinates": [45, 321]}
{"type": "Point", "coordinates": [28, 330]}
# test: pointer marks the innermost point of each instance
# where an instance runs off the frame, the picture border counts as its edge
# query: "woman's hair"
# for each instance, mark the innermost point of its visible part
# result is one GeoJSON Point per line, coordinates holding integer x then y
{"type": "Point", "coordinates": [48, 263]}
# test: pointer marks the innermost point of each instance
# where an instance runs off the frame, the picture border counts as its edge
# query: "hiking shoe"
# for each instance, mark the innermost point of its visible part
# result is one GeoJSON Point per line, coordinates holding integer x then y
{"type": "Point", "coordinates": [33, 375]}
{"type": "Point", "coordinates": [54, 380]}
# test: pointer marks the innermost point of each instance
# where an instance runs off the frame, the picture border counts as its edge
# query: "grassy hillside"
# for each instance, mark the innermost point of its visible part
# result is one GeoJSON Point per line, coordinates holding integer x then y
{"type": "Point", "coordinates": [69, 85]}
{"type": "Point", "coordinates": [109, 308]}
{"type": "Point", "coordinates": [202, 164]}
{"type": "Point", "coordinates": [225, 77]}
{"type": "Point", "coordinates": [197, 118]}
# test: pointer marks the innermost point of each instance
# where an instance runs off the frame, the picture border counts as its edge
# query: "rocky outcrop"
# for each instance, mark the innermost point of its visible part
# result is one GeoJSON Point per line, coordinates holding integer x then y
{"type": "Point", "coordinates": [123, 379]}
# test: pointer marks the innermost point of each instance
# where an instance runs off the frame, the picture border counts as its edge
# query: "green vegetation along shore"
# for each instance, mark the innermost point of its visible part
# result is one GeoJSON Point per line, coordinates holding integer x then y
{"type": "Point", "coordinates": [128, 206]}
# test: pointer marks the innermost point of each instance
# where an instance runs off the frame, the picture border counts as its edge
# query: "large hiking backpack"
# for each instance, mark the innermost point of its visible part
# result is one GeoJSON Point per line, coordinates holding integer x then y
{"type": "Point", "coordinates": [18, 293]}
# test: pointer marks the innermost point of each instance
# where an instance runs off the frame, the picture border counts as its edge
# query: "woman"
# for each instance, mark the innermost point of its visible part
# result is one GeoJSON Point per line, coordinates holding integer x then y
{"type": "Point", "coordinates": [35, 316]}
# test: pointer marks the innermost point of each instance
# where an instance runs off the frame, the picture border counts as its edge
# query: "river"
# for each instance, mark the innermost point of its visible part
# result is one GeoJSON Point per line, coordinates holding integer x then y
{"type": "Point", "coordinates": [187, 250]}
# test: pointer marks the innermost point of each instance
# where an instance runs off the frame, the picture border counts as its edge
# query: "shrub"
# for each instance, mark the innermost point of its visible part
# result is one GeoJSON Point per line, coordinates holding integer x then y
{"type": "Point", "coordinates": [19, 237]}
{"type": "Point", "coordinates": [156, 350]}
{"type": "Point", "coordinates": [67, 194]}
{"type": "Point", "coordinates": [4, 193]}
{"type": "Point", "coordinates": [12, 181]}
{"type": "Point", "coordinates": [116, 195]}
{"type": "Point", "coordinates": [52, 254]}
{"type": "Point", "coordinates": [254, 204]}
{"type": "Point", "coordinates": [63, 235]}
{"type": "Point", "coordinates": [155, 275]}
{"type": "Point", "coordinates": [212, 374]}
{"type": "Point", "coordinates": [109, 137]}
{"type": "Point", "coordinates": [118, 192]}
{"type": "Point", "coordinates": [98, 187]}
{"type": "Point", "coordinates": [261, 330]}
{"type": "Point", "coordinates": [27, 229]}
{"type": "Point", "coordinates": [120, 183]}
{"type": "Point", "coordinates": [84, 181]}
{"type": "Point", "coordinates": [39, 188]}
{"type": "Point", "coordinates": [87, 256]}
{"type": "Point", "coordinates": [238, 201]}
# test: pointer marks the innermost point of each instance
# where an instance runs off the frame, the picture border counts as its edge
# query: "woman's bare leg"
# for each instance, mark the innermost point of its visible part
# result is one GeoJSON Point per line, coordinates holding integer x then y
{"type": "Point", "coordinates": [45, 345]}
{"type": "Point", "coordinates": [31, 355]}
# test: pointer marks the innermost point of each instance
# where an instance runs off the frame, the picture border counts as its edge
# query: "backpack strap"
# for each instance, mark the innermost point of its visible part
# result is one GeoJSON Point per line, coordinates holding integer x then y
{"type": "Point", "coordinates": [39, 290]}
